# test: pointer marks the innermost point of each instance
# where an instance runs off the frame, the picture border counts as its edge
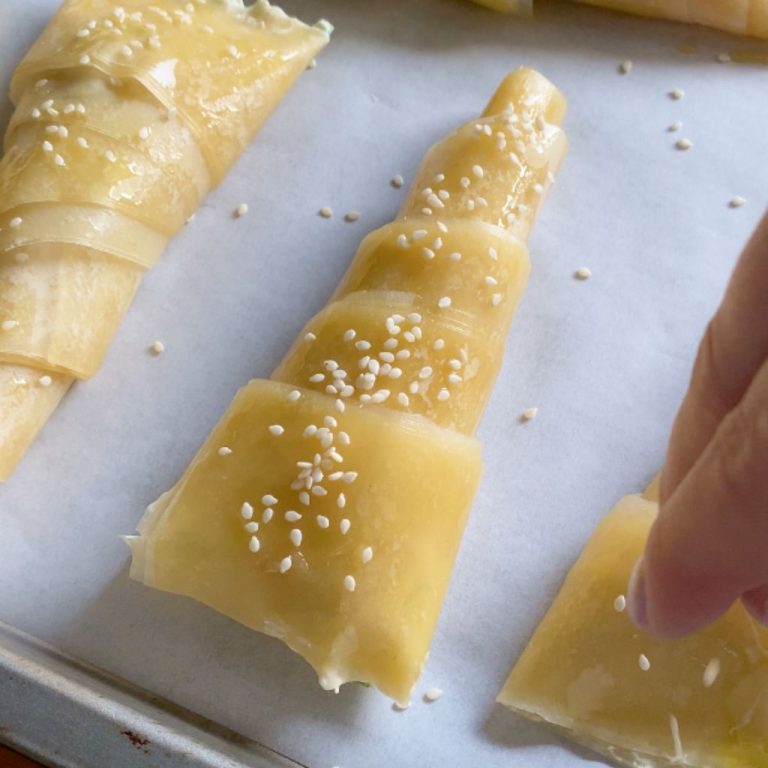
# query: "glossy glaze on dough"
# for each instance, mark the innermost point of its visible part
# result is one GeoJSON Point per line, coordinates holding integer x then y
{"type": "Point", "coordinates": [581, 671]}
{"type": "Point", "coordinates": [126, 114]}
{"type": "Point", "coordinates": [327, 506]}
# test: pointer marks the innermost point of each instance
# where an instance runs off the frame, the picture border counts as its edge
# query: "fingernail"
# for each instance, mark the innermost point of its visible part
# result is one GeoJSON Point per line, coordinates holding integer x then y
{"type": "Point", "coordinates": [637, 601]}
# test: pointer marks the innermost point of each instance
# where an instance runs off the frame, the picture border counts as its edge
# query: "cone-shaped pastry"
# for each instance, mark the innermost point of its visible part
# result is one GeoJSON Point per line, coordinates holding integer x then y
{"type": "Point", "coordinates": [701, 701]}
{"type": "Point", "coordinates": [327, 506]}
{"type": "Point", "coordinates": [126, 114]}
{"type": "Point", "coordinates": [742, 17]}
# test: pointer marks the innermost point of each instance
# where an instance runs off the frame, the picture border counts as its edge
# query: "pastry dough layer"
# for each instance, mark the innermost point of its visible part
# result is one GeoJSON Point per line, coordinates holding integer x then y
{"type": "Point", "coordinates": [581, 671]}
{"type": "Point", "coordinates": [408, 503]}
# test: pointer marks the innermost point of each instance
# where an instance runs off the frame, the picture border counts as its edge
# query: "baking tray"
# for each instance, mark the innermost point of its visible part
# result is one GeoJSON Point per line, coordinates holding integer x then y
{"type": "Point", "coordinates": [606, 361]}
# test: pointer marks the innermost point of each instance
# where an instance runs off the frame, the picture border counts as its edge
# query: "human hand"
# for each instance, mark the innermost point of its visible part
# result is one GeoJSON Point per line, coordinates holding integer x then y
{"type": "Point", "coordinates": [709, 544]}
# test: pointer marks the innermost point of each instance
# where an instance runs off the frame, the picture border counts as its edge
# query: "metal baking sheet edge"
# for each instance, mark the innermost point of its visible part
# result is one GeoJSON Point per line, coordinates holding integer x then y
{"type": "Point", "coordinates": [68, 714]}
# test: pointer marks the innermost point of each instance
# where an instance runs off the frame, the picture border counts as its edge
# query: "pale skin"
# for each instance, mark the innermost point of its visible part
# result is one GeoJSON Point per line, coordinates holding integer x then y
{"type": "Point", "coordinates": [709, 545]}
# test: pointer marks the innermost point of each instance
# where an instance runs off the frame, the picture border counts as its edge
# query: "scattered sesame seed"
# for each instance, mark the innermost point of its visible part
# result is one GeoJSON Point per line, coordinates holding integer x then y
{"type": "Point", "coordinates": [444, 302]}
{"type": "Point", "coordinates": [111, 156]}
{"type": "Point", "coordinates": [366, 555]}
{"type": "Point", "coordinates": [529, 414]}
{"type": "Point", "coordinates": [625, 67]}
{"type": "Point", "coordinates": [294, 395]}
{"type": "Point", "coordinates": [85, 59]}
{"type": "Point", "coordinates": [351, 216]}
{"type": "Point", "coordinates": [432, 694]}
{"type": "Point", "coordinates": [157, 348]}
{"type": "Point", "coordinates": [47, 146]}
{"type": "Point", "coordinates": [443, 394]}
{"type": "Point", "coordinates": [419, 234]}
{"type": "Point", "coordinates": [583, 273]}
{"type": "Point", "coordinates": [711, 672]}
{"type": "Point", "coordinates": [41, 83]}
{"type": "Point", "coordinates": [683, 144]}
{"type": "Point", "coordinates": [36, 113]}
{"type": "Point", "coordinates": [82, 142]}
{"type": "Point", "coordinates": [676, 126]}
{"type": "Point", "coordinates": [619, 604]}
{"type": "Point", "coordinates": [674, 728]}
{"type": "Point", "coordinates": [268, 500]}
{"type": "Point", "coordinates": [285, 564]}
{"type": "Point", "coordinates": [296, 537]}
{"type": "Point", "coordinates": [254, 545]}
{"type": "Point", "coordinates": [267, 514]}
{"type": "Point", "coordinates": [276, 429]}
{"type": "Point", "coordinates": [490, 280]}
{"type": "Point", "coordinates": [643, 662]}
{"type": "Point", "coordinates": [344, 526]}
{"type": "Point", "coordinates": [478, 171]}
{"type": "Point", "coordinates": [224, 451]}
{"type": "Point", "coordinates": [397, 181]}
{"type": "Point", "coordinates": [737, 202]}
{"type": "Point", "coordinates": [246, 511]}
{"type": "Point", "coordinates": [676, 94]}
{"type": "Point", "coordinates": [350, 583]}
{"type": "Point", "coordinates": [496, 299]}
{"type": "Point", "coordinates": [722, 58]}
{"type": "Point", "coordinates": [322, 521]}
{"type": "Point", "coordinates": [325, 212]}
{"type": "Point", "coordinates": [45, 381]}
{"type": "Point", "coordinates": [251, 527]}
{"type": "Point", "coordinates": [15, 222]}
{"type": "Point", "coordinates": [309, 336]}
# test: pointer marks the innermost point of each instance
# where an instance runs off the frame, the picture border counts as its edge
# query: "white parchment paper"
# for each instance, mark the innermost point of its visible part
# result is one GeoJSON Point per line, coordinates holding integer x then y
{"type": "Point", "coordinates": [606, 361]}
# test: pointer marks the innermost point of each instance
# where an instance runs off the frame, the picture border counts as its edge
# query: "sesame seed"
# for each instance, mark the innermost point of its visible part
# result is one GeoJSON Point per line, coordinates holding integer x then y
{"type": "Point", "coordinates": [722, 58]}
{"type": "Point", "coordinates": [676, 126]}
{"type": "Point", "coordinates": [45, 381]}
{"type": "Point", "coordinates": [737, 202]}
{"type": "Point", "coordinates": [443, 394]}
{"type": "Point", "coordinates": [52, 129]}
{"type": "Point", "coordinates": [478, 171]}
{"type": "Point", "coordinates": [625, 67]}
{"type": "Point", "coordinates": [296, 537]}
{"type": "Point", "coordinates": [267, 514]}
{"type": "Point", "coordinates": [583, 273]}
{"type": "Point", "coordinates": [251, 527]}
{"type": "Point", "coordinates": [246, 511]}
{"type": "Point", "coordinates": [304, 498]}
{"type": "Point", "coordinates": [428, 253]}
{"type": "Point", "coordinates": [643, 662]}
{"type": "Point", "coordinates": [15, 222]}
{"type": "Point", "coordinates": [418, 234]}
{"type": "Point", "coordinates": [268, 500]}
{"type": "Point", "coordinates": [309, 336]}
{"type": "Point", "coordinates": [241, 210]}
{"type": "Point", "coordinates": [402, 241]}
{"type": "Point", "coordinates": [619, 604]}
{"type": "Point", "coordinates": [294, 395]}
{"type": "Point", "coordinates": [69, 109]}
{"type": "Point", "coordinates": [362, 345]}
{"type": "Point", "coordinates": [432, 694]}
{"type": "Point", "coordinates": [325, 212]}
{"type": "Point", "coordinates": [674, 728]}
{"type": "Point", "coordinates": [538, 189]}
{"type": "Point", "coordinates": [285, 564]}
{"type": "Point", "coordinates": [41, 83]}
{"type": "Point", "coordinates": [489, 280]}
{"type": "Point", "coordinates": [439, 344]}
{"type": "Point", "coordinates": [349, 583]}
{"type": "Point", "coordinates": [397, 181]}
{"type": "Point", "coordinates": [444, 302]}
{"type": "Point", "coordinates": [224, 451]}
{"type": "Point", "coordinates": [36, 113]}
{"type": "Point", "coordinates": [529, 414]}
{"type": "Point", "coordinates": [111, 156]}
{"type": "Point", "coordinates": [496, 299]}
{"type": "Point", "coordinates": [316, 378]}
{"type": "Point", "coordinates": [711, 672]}
{"type": "Point", "coordinates": [464, 181]}
{"type": "Point", "coordinates": [232, 50]}
{"type": "Point", "coordinates": [292, 516]}
{"type": "Point", "coordinates": [683, 144]}
{"type": "Point", "coordinates": [85, 59]}
{"type": "Point", "coordinates": [47, 146]}
{"type": "Point", "coordinates": [366, 555]}
{"type": "Point", "coordinates": [351, 216]}
{"type": "Point", "coordinates": [676, 94]}
{"type": "Point", "coordinates": [82, 142]}
{"type": "Point", "coordinates": [425, 372]}
{"type": "Point", "coordinates": [454, 378]}
{"type": "Point", "coordinates": [254, 545]}
{"type": "Point", "coordinates": [349, 477]}
{"type": "Point", "coordinates": [344, 526]}
{"type": "Point", "coordinates": [455, 256]}
{"type": "Point", "coordinates": [157, 348]}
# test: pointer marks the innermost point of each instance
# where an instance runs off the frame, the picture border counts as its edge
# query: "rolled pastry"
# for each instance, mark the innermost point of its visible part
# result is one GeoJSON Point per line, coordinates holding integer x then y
{"type": "Point", "coordinates": [327, 506]}
{"type": "Point", "coordinates": [127, 113]}
{"type": "Point", "coordinates": [741, 17]}
{"type": "Point", "coordinates": [701, 701]}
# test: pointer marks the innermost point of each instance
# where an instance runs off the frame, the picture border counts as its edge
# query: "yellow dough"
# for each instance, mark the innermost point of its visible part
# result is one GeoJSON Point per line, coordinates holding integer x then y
{"type": "Point", "coordinates": [741, 17]}
{"type": "Point", "coordinates": [127, 113]}
{"type": "Point", "coordinates": [703, 702]}
{"type": "Point", "coordinates": [327, 506]}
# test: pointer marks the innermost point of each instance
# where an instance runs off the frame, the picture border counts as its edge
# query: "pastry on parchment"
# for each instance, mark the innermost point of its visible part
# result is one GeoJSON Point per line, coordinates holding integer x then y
{"type": "Point", "coordinates": [701, 701]}
{"type": "Point", "coordinates": [127, 113]}
{"type": "Point", "coordinates": [327, 506]}
{"type": "Point", "coordinates": [741, 17]}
